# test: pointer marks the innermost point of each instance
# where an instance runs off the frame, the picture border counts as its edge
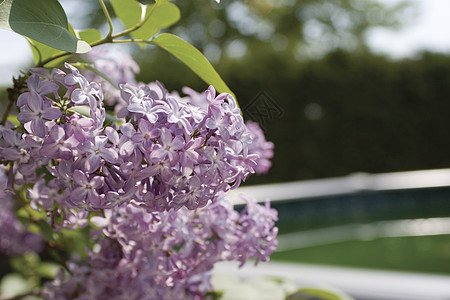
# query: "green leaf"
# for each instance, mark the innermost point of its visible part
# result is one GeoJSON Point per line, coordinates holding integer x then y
{"type": "Point", "coordinates": [89, 35]}
{"type": "Point", "coordinates": [48, 269]}
{"type": "Point", "coordinates": [163, 14]}
{"type": "Point", "coordinates": [76, 241]}
{"type": "Point", "coordinates": [46, 230]}
{"type": "Point", "coordinates": [42, 52]}
{"type": "Point", "coordinates": [317, 294]}
{"type": "Point", "coordinates": [41, 20]}
{"type": "Point", "coordinates": [13, 284]}
{"type": "Point", "coordinates": [192, 58]}
{"type": "Point", "coordinates": [13, 119]}
{"type": "Point", "coordinates": [129, 11]}
{"type": "Point", "coordinates": [147, 2]}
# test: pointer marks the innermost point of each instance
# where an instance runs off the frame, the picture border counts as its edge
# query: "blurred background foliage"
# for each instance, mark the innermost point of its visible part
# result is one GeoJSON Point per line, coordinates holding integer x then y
{"type": "Point", "coordinates": [345, 109]}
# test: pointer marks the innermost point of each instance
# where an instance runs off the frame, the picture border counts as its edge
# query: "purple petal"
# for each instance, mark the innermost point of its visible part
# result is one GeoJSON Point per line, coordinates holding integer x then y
{"type": "Point", "coordinates": [173, 157]}
{"type": "Point", "coordinates": [172, 118]}
{"type": "Point", "coordinates": [57, 133]}
{"type": "Point", "coordinates": [178, 143]}
{"type": "Point", "coordinates": [92, 163]}
{"type": "Point", "coordinates": [166, 136]}
{"type": "Point", "coordinates": [33, 82]}
{"type": "Point", "coordinates": [48, 150]}
{"type": "Point", "coordinates": [72, 141]}
{"type": "Point", "coordinates": [110, 155]}
{"type": "Point", "coordinates": [144, 125]}
{"type": "Point", "coordinates": [173, 104]}
{"type": "Point", "coordinates": [112, 135]}
{"type": "Point", "coordinates": [127, 129]}
{"type": "Point", "coordinates": [72, 68]}
{"type": "Point", "coordinates": [99, 221]}
{"type": "Point", "coordinates": [100, 141]}
{"type": "Point", "coordinates": [70, 80]}
{"type": "Point", "coordinates": [211, 124]}
{"type": "Point", "coordinates": [147, 172]}
{"type": "Point", "coordinates": [10, 153]}
{"type": "Point", "coordinates": [187, 126]}
{"type": "Point", "coordinates": [155, 133]}
{"type": "Point", "coordinates": [32, 142]}
{"type": "Point", "coordinates": [34, 101]}
{"type": "Point", "coordinates": [152, 118]}
{"type": "Point", "coordinates": [80, 178]}
{"type": "Point", "coordinates": [85, 122]}
{"type": "Point", "coordinates": [10, 137]}
{"type": "Point", "coordinates": [23, 99]}
{"type": "Point", "coordinates": [158, 155]}
{"type": "Point", "coordinates": [52, 113]}
{"type": "Point", "coordinates": [127, 148]}
{"type": "Point", "coordinates": [210, 93]}
{"type": "Point", "coordinates": [48, 88]}
{"type": "Point", "coordinates": [97, 182]}
{"type": "Point", "coordinates": [136, 108]}
{"type": "Point", "coordinates": [78, 194]}
{"type": "Point", "coordinates": [65, 153]}
{"type": "Point", "coordinates": [38, 128]}
{"type": "Point", "coordinates": [25, 116]}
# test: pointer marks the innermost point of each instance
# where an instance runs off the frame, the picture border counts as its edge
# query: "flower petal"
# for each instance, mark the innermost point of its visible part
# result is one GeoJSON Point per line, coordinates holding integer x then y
{"type": "Point", "coordinates": [52, 113]}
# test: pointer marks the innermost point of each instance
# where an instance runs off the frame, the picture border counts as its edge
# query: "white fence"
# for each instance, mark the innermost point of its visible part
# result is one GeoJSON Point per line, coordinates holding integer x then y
{"type": "Point", "coordinates": [359, 283]}
{"type": "Point", "coordinates": [345, 185]}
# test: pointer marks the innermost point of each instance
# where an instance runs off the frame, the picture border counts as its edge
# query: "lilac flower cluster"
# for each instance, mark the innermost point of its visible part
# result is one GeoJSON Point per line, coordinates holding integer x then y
{"type": "Point", "coordinates": [167, 255]}
{"type": "Point", "coordinates": [153, 178]}
{"type": "Point", "coordinates": [168, 153]}
{"type": "Point", "coordinates": [14, 238]}
{"type": "Point", "coordinates": [120, 69]}
{"type": "Point", "coordinates": [261, 147]}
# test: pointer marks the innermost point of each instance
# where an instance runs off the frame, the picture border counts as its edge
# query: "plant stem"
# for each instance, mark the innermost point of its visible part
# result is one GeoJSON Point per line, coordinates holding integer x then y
{"type": "Point", "coordinates": [109, 38]}
{"type": "Point", "coordinates": [13, 94]}
{"type": "Point", "coordinates": [131, 41]}
{"type": "Point", "coordinates": [144, 19]}
{"type": "Point", "coordinates": [53, 57]}
{"type": "Point", "coordinates": [108, 17]}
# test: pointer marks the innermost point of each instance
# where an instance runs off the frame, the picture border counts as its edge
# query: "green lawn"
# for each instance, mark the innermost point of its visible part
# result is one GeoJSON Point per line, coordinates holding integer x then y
{"type": "Point", "coordinates": [413, 253]}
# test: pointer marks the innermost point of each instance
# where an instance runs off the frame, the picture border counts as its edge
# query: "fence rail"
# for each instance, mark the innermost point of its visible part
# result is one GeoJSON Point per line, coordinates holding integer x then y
{"type": "Point", "coordinates": [353, 183]}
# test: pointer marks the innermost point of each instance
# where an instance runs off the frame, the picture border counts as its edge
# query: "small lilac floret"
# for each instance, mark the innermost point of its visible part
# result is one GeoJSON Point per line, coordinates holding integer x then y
{"type": "Point", "coordinates": [37, 112]}
{"type": "Point", "coordinates": [86, 189]}
{"type": "Point", "coordinates": [37, 86]}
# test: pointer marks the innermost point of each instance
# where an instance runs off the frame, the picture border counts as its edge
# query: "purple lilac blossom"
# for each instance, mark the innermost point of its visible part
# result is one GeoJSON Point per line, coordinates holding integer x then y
{"type": "Point", "coordinates": [261, 147]}
{"type": "Point", "coordinates": [37, 112]}
{"type": "Point", "coordinates": [14, 238]}
{"type": "Point", "coordinates": [167, 255]}
{"type": "Point", "coordinates": [161, 148]}
{"type": "Point", "coordinates": [118, 66]}
{"type": "Point", "coordinates": [155, 183]}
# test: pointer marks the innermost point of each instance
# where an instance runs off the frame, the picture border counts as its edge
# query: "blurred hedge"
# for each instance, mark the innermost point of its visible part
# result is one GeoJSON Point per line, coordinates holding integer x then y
{"type": "Point", "coordinates": [372, 114]}
{"type": "Point", "coordinates": [369, 114]}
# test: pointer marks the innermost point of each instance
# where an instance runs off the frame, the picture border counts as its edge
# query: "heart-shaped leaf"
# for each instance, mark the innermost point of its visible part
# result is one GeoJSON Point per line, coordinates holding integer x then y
{"type": "Point", "coordinates": [131, 12]}
{"type": "Point", "coordinates": [128, 11]}
{"type": "Point", "coordinates": [42, 52]}
{"type": "Point", "coordinates": [192, 58]}
{"type": "Point", "coordinates": [163, 16]}
{"type": "Point", "coordinates": [43, 21]}
{"type": "Point", "coordinates": [319, 294]}
{"type": "Point", "coordinates": [89, 35]}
